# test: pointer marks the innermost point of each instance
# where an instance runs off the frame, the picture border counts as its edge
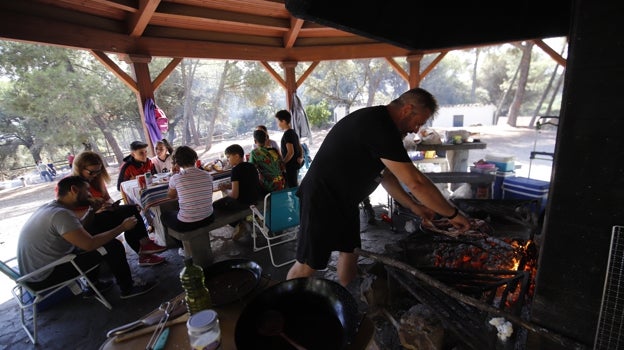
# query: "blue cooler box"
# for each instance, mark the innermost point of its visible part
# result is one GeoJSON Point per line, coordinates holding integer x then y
{"type": "Point", "coordinates": [525, 188]}
{"type": "Point", "coordinates": [497, 191]}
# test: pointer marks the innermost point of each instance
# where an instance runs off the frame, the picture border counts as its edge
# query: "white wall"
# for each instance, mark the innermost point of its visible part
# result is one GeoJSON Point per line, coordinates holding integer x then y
{"type": "Point", "coordinates": [472, 115]}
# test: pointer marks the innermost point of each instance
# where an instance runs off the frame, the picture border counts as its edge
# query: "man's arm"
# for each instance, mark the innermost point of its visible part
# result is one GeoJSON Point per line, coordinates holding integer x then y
{"type": "Point", "coordinates": [83, 239]}
{"type": "Point", "coordinates": [423, 190]}
{"type": "Point", "coordinates": [290, 152]}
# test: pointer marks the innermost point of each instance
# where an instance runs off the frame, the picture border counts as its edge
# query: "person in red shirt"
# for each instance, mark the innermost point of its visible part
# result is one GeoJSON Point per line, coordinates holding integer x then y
{"type": "Point", "coordinates": [135, 164]}
{"type": "Point", "coordinates": [70, 159]}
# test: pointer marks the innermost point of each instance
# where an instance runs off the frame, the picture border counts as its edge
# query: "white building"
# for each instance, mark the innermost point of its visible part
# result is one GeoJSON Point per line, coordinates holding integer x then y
{"type": "Point", "coordinates": [464, 115]}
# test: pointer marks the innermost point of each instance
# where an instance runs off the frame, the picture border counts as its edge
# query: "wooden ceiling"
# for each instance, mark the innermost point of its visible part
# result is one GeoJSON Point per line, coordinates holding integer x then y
{"type": "Point", "coordinates": [260, 30]}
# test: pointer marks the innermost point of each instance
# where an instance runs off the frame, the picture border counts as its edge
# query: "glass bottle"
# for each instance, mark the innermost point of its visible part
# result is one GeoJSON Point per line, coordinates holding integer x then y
{"type": "Point", "coordinates": [197, 295]}
{"type": "Point", "coordinates": [204, 331]}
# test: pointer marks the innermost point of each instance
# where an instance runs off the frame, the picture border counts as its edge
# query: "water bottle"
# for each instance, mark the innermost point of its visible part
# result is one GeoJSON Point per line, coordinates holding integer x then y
{"type": "Point", "coordinates": [197, 295]}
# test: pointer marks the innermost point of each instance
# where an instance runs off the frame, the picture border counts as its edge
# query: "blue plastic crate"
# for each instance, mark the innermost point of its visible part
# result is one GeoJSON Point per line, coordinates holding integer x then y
{"type": "Point", "coordinates": [525, 188]}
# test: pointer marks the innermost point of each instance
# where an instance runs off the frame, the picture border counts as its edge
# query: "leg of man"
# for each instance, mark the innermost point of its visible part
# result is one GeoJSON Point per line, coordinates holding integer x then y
{"type": "Point", "coordinates": [346, 267]}
{"type": "Point", "coordinates": [115, 257]}
{"type": "Point", "coordinates": [66, 271]}
{"type": "Point", "coordinates": [300, 270]}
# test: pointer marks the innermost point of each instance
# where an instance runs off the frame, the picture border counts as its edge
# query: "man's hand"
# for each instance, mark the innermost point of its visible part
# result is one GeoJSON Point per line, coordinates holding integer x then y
{"type": "Point", "coordinates": [460, 222]}
{"type": "Point", "coordinates": [423, 212]}
{"type": "Point", "coordinates": [128, 223]}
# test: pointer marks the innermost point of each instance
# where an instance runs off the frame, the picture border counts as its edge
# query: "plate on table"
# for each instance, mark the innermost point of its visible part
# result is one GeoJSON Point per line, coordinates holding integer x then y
{"type": "Point", "coordinates": [231, 280]}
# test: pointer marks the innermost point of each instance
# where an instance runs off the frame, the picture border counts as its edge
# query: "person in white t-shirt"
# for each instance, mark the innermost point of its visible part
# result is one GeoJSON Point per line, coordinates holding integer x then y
{"type": "Point", "coordinates": [163, 161]}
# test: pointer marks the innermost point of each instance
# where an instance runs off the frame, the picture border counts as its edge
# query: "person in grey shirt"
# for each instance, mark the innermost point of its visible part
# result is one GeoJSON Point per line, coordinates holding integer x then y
{"type": "Point", "coordinates": [54, 231]}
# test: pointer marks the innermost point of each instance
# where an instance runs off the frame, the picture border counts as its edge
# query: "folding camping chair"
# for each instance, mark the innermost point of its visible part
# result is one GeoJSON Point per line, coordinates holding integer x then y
{"type": "Point", "coordinates": [28, 297]}
{"type": "Point", "coordinates": [277, 222]}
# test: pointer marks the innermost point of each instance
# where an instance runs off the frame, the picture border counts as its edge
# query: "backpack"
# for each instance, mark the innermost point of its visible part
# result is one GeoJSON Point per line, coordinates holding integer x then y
{"type": "Point", "coordinates": [161, 119]}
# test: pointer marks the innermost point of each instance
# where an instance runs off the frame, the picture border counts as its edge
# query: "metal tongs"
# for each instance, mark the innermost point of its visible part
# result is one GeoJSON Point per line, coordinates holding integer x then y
{"type": "Point", "coordinates": [167, 308]}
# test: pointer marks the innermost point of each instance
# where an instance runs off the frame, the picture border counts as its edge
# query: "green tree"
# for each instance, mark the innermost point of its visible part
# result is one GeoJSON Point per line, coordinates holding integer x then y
{"type": "Point", "coordinates": [318, 115]}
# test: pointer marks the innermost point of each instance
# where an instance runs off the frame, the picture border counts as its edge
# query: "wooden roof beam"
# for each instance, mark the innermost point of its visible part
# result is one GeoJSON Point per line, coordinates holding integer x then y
{"type": "Point", "coordinates": [140, 19]}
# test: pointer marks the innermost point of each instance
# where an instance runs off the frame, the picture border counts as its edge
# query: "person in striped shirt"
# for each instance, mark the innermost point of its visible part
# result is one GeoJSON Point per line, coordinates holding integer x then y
{"type": "Point", "coordinates": [192, 187]}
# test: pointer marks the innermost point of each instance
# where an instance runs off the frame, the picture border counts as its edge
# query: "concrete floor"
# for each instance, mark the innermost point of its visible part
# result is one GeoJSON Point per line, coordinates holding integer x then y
{"type": "Point", "coordinates": [80, 323]}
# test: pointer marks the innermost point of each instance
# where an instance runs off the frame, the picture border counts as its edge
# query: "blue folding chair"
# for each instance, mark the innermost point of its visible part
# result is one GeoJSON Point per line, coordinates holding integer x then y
{"type": "Point", "coordinates": [278, 222]}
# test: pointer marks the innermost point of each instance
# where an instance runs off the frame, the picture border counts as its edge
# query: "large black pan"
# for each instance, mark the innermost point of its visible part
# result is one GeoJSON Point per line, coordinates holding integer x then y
{"type": "Point", "coordinates": [317, 314]}
{"type": "Point", "coordinates": [231, 280]}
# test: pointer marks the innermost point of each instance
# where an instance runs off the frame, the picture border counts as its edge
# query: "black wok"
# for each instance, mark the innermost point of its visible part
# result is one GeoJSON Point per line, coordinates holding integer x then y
{"type": "Point", "coordinates": [317, 314]}
{"type": "Point", "coordinates": [231, 280]}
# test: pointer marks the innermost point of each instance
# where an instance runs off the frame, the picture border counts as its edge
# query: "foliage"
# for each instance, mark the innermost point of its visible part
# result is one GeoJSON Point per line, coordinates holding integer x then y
{"type": "Point", "coordinates": [318, 115]}
{"type": "Point", "coordinates": [52, 100]}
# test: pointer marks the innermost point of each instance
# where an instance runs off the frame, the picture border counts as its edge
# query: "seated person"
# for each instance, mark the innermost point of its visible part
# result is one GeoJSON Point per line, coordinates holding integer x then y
{"type": "Point", "coordinates": [54, 231]}
{"type": "Point", "coordinates": [90, 166]}
{"type": "Point", "coordinates": [192, 187]}
{"type": "Point", "coordinates": [243, 190]}
{"type": "Point", "coordinates": [135, 164]}
{"type": "Point", "coordinates": [163, 160]}
{"type": "Point", "coordinates": [269, 164]}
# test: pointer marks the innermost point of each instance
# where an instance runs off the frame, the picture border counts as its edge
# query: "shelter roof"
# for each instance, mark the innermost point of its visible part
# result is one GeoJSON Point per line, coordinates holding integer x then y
{"type": "Point", "coordinates": [266, 30]}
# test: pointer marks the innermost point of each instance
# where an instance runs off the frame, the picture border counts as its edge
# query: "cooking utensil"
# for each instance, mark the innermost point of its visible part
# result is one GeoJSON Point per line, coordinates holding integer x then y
{"type": "Point", "coordinates": [272, 324]}
{"type": "Point", "coordinates": [317, 314]}
{"type": "Point", "coordinates": [167, 308]}
{"type": "Point", "coordinates": [231, 280]}
{"type": "Point", "coordinates": [139, 332]}
{"type": "Point", "coordinates": [178, 309]}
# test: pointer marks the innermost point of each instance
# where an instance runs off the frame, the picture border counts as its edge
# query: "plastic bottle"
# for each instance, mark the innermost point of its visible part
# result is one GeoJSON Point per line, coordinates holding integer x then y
{"type": "Point", "coordinates": [197, 295]}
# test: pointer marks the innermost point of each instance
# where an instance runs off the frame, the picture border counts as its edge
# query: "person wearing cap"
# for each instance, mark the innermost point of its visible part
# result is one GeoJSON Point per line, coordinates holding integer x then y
{"type": "Point", "coordinates": [135, 164]}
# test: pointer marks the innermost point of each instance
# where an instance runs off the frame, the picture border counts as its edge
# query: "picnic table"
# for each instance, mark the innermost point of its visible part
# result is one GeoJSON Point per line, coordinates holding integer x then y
{"type": "Point", "coordinates": [155, 195]}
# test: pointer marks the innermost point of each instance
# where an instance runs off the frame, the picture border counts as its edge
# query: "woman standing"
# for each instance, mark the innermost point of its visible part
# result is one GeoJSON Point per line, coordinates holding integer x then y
{"type": "Point", "coordinates": [90, 166]}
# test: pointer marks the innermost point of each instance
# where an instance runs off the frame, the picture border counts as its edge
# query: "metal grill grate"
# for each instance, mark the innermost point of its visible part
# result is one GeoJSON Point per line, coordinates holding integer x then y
{"type": "Point", "coordinates": [610, 332]}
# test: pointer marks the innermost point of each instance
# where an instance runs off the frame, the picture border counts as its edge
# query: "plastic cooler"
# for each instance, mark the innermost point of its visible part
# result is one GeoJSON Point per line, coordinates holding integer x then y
{"type": "Point", "coordinates": [525, 188]}
{"type": "Point", "coordinates": [497, 188]}
{"type": "Point", "coordinates": [503, 162]}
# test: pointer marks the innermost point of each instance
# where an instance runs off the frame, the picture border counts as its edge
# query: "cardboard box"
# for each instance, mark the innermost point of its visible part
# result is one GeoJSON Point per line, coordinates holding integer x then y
{"type": "Point", "coordinates": [525, 188]}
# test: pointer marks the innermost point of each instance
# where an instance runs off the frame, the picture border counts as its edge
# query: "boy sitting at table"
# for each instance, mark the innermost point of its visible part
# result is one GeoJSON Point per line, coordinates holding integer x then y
{"type": "Point", "coordinates": [243, 190]}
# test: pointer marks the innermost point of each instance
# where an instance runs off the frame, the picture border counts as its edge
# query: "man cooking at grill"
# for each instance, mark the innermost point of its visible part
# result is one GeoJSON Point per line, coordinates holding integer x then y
{"type": "Point", "coordinates": [361, 151]}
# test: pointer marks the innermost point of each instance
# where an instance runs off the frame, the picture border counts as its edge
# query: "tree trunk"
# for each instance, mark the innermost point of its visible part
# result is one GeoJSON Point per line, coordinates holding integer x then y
{"type": "Point", "coordinates": [555, 91]}
{"type": "Point", "coordinates": [216, 104]}
{"type": "Point", "coordinates": [188, 77]}
{"type": "Point", "coordinates": [473, 90]}
{"type": "Point", "coordinates": [525, 64]}
{"type": "Point", "coordinates": [546, 91]}
{"type": "Point", "coordinates": [499, 106]}
{"type": "Point", "coordinates": [109, 137]}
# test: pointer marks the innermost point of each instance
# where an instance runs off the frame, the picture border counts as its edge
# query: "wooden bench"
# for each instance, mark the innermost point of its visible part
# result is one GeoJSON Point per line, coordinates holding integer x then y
{"type": "Point", "coordinates": [196, 243]}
